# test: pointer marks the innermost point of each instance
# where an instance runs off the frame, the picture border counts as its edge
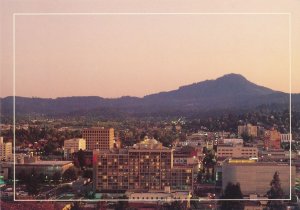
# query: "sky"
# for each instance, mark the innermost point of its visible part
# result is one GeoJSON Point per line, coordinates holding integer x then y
{"type": "Point", "coordinates": [113, 55]}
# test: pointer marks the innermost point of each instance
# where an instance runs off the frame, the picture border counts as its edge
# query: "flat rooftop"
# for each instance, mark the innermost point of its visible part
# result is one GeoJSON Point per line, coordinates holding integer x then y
{"type": "Point", "coordinates": [252, 162]}
{"type": "Point", "coordinates": [47, 162]}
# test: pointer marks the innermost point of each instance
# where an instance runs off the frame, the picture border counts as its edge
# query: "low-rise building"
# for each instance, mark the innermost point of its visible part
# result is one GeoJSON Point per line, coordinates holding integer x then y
{"type": "Point", "coordinates": [7, 194]}
{"type": "Point", "coordinates": [255, 177]}
{"type": "Point", "coordinates": [286, 138]}
{"type": "Point", "coordinates": [279, 154]}
{"type": "Point", "coordinates": [22, 158]}
{"type": "Point", "coordinates": [236, 151]}
{"type": "Point", "coordinates": [166, 196]}
{"type": "Point", "coordinates": [6, 171]}
{"type": "Point", "coordinates": [230, 141]}
{"type": "Point", "coordinates": [47, 168]}
{"type": "Point", "coordinates": [183, 159]}
{"type": "Point", "coordinates": [73, 145]}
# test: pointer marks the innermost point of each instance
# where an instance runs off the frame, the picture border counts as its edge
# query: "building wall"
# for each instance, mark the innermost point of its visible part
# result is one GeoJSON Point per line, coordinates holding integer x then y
{"type": "Point", "coordinates": [99, 138]}
{"type": "Point", "coordinates": [112, 172]}
{"type": "Point", "coordinates": [285, 137]}
{"type": "Point", "coordinates": [277, 154]}
{"type": "Point", "coordinates": [182, 178]}
{"type": "Point", "coordinates": [5, 150]}
{"type": "Point", "coordinates": [272, 139]}
{"type": "Point", "coordinates": [255, 178]}
{"type": "Point", "coordinates": [159, 196]}
{"type": "Point", "coordinates": [5, 170]}
{"type": "Point", "coordinates": [149, 169]}
{"type": "Point", "coordinates": [232, 141]}
{"type": "Point", "coordinates": [75, 144]}
{"type": "Point", "coordinates": [237, 151]}
{"type": "Point", "coordinates": [141, 169]}
{"type": "Point", "coordinates": [248, 129]}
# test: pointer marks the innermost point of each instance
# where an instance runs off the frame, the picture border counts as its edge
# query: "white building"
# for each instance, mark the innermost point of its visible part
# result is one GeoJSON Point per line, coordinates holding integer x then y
{"type": "Point", "coordinates": [164, 196]}
{"type": "Point", "coordinates": [231, 141]}
{"type": "Point", "coordinates": [277, 155]}
{"type": "Point", "coordinates": [236, 151]}
{"type": "Point", "coordinates": [74, 145]}
{"type": "Point", "coordinates": [5, 150]}
{"type": "Point", "coordinates": [286, 138]}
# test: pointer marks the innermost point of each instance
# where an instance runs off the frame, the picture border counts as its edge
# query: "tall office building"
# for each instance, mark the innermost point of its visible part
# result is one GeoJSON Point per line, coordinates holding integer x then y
{"type": "Point", "coordinates": [98, 138]}
{"type": "Point", "coordinates": [146, 166]}
{"type": "Point", "coordinates": [5, 150]}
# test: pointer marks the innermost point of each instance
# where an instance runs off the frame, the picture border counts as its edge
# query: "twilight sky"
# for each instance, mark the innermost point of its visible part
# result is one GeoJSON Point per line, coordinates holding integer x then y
{"type": "Point", "coordinates": [136, 55]}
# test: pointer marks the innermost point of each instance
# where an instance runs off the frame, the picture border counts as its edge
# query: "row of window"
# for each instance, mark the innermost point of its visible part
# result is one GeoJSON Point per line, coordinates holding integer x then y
{"type": "Point", "coordinates": [220, 154]}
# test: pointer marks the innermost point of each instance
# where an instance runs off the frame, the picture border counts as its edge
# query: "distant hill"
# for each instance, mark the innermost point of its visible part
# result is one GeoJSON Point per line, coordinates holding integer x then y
{"type": "Point", "coordinates": [229, 92]}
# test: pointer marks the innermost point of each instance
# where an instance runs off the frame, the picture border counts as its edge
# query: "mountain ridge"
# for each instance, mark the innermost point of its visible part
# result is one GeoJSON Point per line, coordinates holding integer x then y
{"type": "Point", "coordinates": [231, 91]}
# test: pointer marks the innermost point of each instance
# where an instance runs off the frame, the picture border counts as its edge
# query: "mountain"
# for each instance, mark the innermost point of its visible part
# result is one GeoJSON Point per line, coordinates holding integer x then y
{"type": "Point", "coordinates": [229, 92]}
{"type": "Point", "coordinates": [225, 92]}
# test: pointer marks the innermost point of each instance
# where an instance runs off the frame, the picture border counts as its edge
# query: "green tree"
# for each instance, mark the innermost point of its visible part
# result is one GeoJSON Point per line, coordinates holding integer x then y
{"type": "Point", "coordinates": [32, 184]}
{"type": "Point", "coordinates": [232, 191]}
{"type": "Point", "coordinates": [123, 204]}
{"type": "Point", "coordinates": [89, 194]}
{"type": "Point", "coordinates": [209, 162]}
{"type": "Point", "coordinates": [81, 160]}
{"type": "Point", "coordinates": [41, 178]}
{"type": "Point", "coordinates": [246, 137]}
{"type": "Point", "coordinates": [88, 174]}
{"type": "Point", "coordinates": [56, 177]}
{"type": "Point", "coordinates": [175, 205]}
{"type": "Point", "coordinates": [22, 177]}
{"type": "Point", "coordinates": [75, 206]}
{"type": "Point", "coordinates": [275, 192]}
{"type": "Point", "coordinates": [199, 177]}
{"type": "Point", "coordinates": [70, 174]}
{"type": "Point", "coordinates": [49, 148]}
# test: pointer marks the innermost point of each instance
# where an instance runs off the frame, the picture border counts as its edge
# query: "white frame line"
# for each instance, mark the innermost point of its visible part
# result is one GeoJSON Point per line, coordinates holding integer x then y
{"type": "Point", "coordinates": [152, 13]}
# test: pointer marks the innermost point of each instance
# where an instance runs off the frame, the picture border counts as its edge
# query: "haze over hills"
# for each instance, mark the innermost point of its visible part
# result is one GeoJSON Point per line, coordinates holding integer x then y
{"type": "Point", "coordinates": [231, 91]}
